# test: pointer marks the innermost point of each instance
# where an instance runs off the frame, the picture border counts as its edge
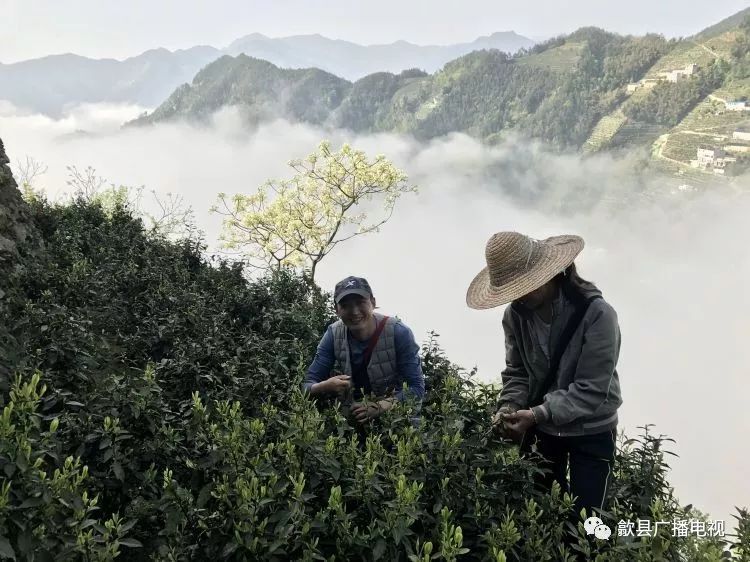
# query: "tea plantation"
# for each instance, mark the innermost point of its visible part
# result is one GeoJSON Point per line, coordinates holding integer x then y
{"type": "Point", "coordinates": [151, 411]}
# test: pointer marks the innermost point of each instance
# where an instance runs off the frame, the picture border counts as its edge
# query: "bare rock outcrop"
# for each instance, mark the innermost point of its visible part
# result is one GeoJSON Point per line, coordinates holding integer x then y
{"type": "Point", "coordinates": [16, 227]}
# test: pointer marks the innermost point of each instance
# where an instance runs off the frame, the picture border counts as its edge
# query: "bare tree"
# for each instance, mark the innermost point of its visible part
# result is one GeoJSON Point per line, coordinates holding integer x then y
{"type": "Point", "coordinates": [29, 170]}
{"type": "Point", "coordinates": [85, 184]}
{"type": "Point", "coordinates": [27, 176]}
{"type": "Point", "coordinates": [171, 217]}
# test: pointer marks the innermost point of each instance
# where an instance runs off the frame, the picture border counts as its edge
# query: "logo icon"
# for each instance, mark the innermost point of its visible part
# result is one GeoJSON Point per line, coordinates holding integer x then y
{"type": "Point", "coordinates": [350, 283]}
{"type": "Point", "coordinates": [595, 526]}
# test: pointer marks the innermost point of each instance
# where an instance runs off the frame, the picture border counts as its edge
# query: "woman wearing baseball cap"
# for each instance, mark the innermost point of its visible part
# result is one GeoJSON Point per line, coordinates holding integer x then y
{"type": "Point", "coordinates": [365, 353]}
{"type": "Point", "coordinates": [561, 391]}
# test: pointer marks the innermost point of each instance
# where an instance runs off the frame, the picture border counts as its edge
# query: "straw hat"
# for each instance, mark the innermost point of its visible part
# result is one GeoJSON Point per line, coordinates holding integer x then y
{"type": "Point", "coordinates": [517, 265]}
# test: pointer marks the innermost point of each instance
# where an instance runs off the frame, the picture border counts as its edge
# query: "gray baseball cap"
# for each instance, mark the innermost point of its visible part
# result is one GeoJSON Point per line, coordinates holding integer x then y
{"type": "Point", "coordinates": [352, 286]}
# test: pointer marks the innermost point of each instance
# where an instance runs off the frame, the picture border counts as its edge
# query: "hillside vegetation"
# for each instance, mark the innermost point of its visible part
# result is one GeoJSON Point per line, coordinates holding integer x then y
{"type": "Point", "coordinates": [53, 84]}
{"type": "Point", "coordinates": [262, 90]}
{"type": "Point", "coordinates": [680, 117]}
{"type": "Point", "coordinates": [590, 90]}
{"type": "Point", "coordinates": [727, 24]}
{"type": "Point", "coordinates": [556, 91]}
{"type": "Point", "coordinates": [151, 412]}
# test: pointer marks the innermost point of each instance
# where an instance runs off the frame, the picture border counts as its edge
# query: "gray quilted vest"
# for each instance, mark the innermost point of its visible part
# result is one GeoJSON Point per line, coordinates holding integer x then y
{"type": "Point", "coordinates": [381, 370]}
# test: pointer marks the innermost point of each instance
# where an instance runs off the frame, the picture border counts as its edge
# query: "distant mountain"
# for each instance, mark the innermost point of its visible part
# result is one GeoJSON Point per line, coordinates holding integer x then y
{"type": "Point", "coordinates": [591, 90]}
{"type": "Point", "coordinates": [50, 83]}
{"type": "Point", "coordinates": [308, 95]}
{"type": "Point", "coordinates": [555, 91]}
{"type": "Point", "coordinates": [352, 61]}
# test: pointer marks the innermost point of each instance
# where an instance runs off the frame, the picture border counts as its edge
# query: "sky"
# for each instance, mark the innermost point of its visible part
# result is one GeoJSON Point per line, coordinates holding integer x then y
{"type": "Point", "coordinates": [106, 28]}
{"type": "Point", "coordinates": [674, 268]}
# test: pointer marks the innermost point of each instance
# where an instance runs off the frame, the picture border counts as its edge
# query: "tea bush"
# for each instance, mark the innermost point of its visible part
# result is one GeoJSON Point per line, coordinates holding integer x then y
{"type": "Point", "coordinates": [151, 411]}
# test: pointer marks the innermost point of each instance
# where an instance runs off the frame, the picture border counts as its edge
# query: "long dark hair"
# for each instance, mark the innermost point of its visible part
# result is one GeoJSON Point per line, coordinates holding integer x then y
{"type": "Point", "coordinates": [573, 285]}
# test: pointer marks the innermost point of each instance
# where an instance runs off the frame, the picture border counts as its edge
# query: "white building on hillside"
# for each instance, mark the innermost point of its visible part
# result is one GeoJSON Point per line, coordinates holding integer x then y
{"type": "Point", "coordinates": [690, 69]}
{"type": "Point", "coordinates": [679, 74]}
{"type": "Point", "coordinates": [737, 105]}
{"type": "Point", "coordinates": [715, 159]}
{"type": "Point", "coordinates": [707, 156]}
{"type": "Point", "coordinates": [741, 134]}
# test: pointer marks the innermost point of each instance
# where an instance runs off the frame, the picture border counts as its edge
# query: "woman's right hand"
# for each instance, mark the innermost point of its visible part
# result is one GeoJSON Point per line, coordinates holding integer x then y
{"type": "Point", "coordinates": [338, 384]}
{"type": "Point", "coordinates": [498, 423]}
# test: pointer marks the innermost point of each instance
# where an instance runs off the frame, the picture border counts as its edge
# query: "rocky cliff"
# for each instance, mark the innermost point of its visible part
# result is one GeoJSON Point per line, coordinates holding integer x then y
{"type": "Point", "coordinates": [15, 222]}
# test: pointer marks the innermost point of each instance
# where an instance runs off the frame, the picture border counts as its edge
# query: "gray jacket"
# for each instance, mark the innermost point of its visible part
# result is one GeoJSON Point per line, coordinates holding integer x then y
{"type": "Point", "coordinates": [585, 395]}
{"type": "Point", "coordinates": [382, 370]}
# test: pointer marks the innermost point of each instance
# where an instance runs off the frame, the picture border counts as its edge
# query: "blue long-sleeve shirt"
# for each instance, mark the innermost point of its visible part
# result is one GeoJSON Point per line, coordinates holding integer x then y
{"type": "Point", "coordinates": [408, 363]}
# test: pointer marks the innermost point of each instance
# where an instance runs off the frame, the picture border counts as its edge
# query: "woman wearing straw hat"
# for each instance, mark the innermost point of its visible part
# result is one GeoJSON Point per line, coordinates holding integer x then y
{"type": "Point", "coordinates": [560, 391]}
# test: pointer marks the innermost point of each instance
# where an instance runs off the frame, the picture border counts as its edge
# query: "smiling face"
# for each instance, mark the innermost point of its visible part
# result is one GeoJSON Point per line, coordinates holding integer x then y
{"type": "Point", "coordinates": [355, 311]}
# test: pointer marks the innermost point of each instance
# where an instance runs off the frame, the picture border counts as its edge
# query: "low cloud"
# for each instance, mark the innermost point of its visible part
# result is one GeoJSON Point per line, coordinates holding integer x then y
{"type": "Point", "coordinates": [674, 265]}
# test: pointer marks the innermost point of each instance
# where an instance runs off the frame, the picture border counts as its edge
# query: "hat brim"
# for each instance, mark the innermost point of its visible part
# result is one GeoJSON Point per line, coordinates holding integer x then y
{"type": "Point", "coordinates": [346, 293]}
{"type": "Point", "coordinates": [559, 252]}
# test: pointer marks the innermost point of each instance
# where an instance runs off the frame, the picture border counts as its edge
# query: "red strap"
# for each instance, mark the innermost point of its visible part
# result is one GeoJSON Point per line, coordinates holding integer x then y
{"type": "Point", "coordinates": [374, 341]}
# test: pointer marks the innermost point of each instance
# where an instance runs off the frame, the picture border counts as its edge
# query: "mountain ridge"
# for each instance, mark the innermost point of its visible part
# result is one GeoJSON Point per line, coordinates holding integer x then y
{"type": "Point", "coordinates": [723, 25]}
{"type": "Point", "coordinates": [150, 77]}
{"type": "Point", "coordinates": [501, 90]}
{"type": "Point", "coordinates": [590, 90]}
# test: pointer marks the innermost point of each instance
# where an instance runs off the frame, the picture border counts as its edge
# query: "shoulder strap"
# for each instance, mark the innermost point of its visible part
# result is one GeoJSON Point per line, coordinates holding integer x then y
{"type": "Point", "coordinates": [562, 345]}
{"type": "Point", "coordinates": [374, 341]}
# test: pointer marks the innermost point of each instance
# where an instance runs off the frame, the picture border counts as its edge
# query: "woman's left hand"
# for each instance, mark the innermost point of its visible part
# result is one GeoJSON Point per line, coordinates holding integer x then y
{"type": "Point", "coordinates": [519, 422]}
{"type": "Point", "coordinates": [363, 413]}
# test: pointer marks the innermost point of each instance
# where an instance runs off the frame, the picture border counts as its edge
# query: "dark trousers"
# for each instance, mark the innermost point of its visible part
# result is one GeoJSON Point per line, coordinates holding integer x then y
{"type": "Point", "coordinates": [591, 460]}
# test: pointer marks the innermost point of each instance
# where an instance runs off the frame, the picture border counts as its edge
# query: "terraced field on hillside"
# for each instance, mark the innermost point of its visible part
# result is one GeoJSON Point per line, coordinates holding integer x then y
{"type": "Point", "coordinates": [684, 146]}
{"type": "Point", "coordinates": [680, 57]}
{"type": "Point", "coordinates": [603, 134]}
{"type": "Point", "coordinates": [709, 124]}
{"type": "Point", "coordinates": [604, 131]}
{"type": "Point", "coordinates": [560, 59]}
{"type": "Point", "coordinates": [737, 89]}
{"type": "Point", "coordinates": [721, 44]}
{"type": "Point", "coordinates": [636, 134]}
{"type": "Point", "coordinates": [700, 53]}
{"type": "Point", "coordinates": [686, 174]}
{"type": "Point", "coordinates": [711, 116]}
